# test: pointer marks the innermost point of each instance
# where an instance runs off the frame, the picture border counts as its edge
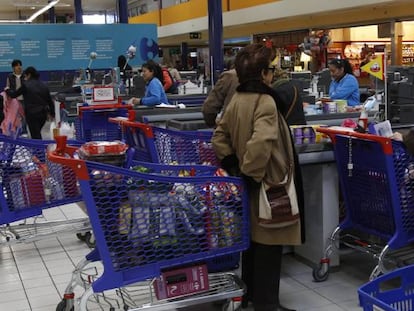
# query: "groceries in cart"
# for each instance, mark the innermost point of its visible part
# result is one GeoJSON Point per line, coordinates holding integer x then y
{"type": "Point", "coordinates": [151, 219]}
{"type": "Point", "coordinates": [109, 152]}
{"type": "Point", "coordinates": [31, 181]}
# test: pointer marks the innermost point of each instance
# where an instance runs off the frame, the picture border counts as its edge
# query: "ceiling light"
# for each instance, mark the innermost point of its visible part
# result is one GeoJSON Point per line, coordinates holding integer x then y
{"type": "Point", "coordinates": [42, 10]}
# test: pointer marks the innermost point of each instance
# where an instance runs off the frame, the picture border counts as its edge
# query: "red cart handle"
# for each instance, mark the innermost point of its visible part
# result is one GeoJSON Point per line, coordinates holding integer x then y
{"type": "Point", "coordinates": [63, 155]}
{"type": "Point", "coordinates": [147, 129]}
{"type": "Point", "coordinates": [385, 142]}
{"type": "Point", "coordinates": [103, 107]}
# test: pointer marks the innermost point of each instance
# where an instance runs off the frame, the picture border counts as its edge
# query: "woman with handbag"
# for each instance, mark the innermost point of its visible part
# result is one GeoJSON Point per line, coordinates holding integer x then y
{"type": "Point", "coordinates": [253, 138]}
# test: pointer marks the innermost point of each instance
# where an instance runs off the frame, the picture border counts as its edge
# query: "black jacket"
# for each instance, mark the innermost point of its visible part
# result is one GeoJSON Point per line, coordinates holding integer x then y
{"type": "Point", "coordinates": [37, 98]}
{"type": "Point", "coordinates": [12, 80]}
{"type": "Point", "coordinates": [285, 95]}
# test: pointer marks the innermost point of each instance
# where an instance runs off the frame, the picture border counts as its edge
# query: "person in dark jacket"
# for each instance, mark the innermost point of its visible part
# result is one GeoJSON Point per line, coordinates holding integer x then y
{"type": "Point", "coordinates": [289, 99]}
{"type": "Point", "coordinates": [15, 78]}
{"type": "Point", "coordinates": [220, 96]}
{"type": "Point", "coordinates": [38, 101]}
{"type": "Point", "coordinates": [124, 68]}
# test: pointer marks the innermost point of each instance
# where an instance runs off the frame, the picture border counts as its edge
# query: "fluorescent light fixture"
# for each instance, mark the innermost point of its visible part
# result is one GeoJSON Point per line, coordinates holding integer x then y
{"type": "Point", "coordinates": [42, 10]}
{"type": "Point", "coordinates": [31, 18]}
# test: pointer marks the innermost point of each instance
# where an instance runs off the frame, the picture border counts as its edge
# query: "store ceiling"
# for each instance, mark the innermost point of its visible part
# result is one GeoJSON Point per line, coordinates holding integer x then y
{"type": "Point", "coordinates": [25, 6]}
{"type": "Point", "coordinates": [401, 9]}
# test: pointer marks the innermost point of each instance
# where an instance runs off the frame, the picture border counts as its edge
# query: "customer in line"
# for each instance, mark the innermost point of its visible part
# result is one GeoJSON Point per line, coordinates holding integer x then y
{"type": "Point", "coordinates": [154, 91]}
{"type": "Point", "coordinates": [344, 85]}
{"type": "Point", "coordinates": [253, 137]}
{"type": "Point", "coordinates": [220, 96]}
{"type": "Point", "coordinates": [288, 98]}
{"type": "Point", "coordinates": [38, 104]}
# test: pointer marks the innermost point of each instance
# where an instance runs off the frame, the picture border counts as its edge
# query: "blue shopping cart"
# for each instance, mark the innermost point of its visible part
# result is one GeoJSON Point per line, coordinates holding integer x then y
{"type": "Point", "coordinates": [160, 145]}
{"type": "Point", "coordinates": [376, 177]}
{"type": "Point", "coordinates": [393, 291]}
{"type": "Point", "coordinates": [92, 122]}
{"type": "Point", "coordinates": [31, 184]}
{"type": "Point", "coordinates": [147, 221]}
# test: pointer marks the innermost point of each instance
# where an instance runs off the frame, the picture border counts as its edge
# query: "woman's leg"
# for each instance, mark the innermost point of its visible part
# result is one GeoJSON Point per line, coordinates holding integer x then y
{"type": "Point", "coordinates": [35, 123]}
{"type": "Point", "coordinates": [267, 264]}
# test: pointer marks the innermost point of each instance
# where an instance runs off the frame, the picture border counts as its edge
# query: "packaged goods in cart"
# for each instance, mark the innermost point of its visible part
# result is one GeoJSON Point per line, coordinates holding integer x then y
{"type": "Point", "coordinates": [27, 190]}
{"type": "Point", "coordinates": [109, 152]}
{"type": "Point", "coordinates": [181, 282]}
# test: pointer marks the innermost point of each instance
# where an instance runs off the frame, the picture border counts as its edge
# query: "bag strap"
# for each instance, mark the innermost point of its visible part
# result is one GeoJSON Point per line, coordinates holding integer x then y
{"type": "Point", "coordinates": [257, 101]}
{"type": "Point", "coordinates": [293, 102]}
{"type": "Point", "coordinates": [290, 168]}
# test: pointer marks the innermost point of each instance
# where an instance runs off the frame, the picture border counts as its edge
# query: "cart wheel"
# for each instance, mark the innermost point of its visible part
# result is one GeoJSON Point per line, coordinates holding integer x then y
{"type": "Point", "coordinates": [62, 306]}
{"type": "Point", "coordinates": [81, 236]}
{"type": "Point", "coordinates": [321, 272]}
{"type": "Point", "coordinates": [90, 239]}
{"type": "Point", "coordinates": [231, 305]}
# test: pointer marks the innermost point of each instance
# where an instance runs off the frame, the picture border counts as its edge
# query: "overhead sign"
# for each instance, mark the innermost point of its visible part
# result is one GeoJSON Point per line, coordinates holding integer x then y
{"type": "Point", "coordinates": [69, 46]}
{"type": "Point", "coordinates": [195, 35]}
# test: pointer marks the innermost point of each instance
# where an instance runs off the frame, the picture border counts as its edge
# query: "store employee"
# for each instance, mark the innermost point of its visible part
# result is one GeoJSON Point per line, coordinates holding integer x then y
{"type": "Point", "coordinates": [344, 85]}
{"type": "Point", "coordinates": [154, 91]}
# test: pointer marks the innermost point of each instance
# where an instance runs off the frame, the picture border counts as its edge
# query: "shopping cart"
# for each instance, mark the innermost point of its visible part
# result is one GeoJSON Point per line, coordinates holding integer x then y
{"type": "Point", "coordinates": [92, 122]}
{"type": "Point", "coordinates": [390, 292]}
{"type": "Point", "coordinates": [160, 145]}
{"type": "Point", "coordinates": [31, 184]}
{"type": "Point", "coordinates": [376, 178]}
{"type": "Point", "coordinates": [145, 223]}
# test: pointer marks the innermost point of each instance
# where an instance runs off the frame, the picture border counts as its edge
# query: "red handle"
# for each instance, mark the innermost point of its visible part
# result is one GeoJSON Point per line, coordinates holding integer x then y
{"type": "Point", "coordinates": [147, 129]}
{"type": "Point", "coordinates": [64, 156]}
{"type": "Point", "coordinates": [109, 106]}
{"type": "Point", "coordinates": [383, 141]}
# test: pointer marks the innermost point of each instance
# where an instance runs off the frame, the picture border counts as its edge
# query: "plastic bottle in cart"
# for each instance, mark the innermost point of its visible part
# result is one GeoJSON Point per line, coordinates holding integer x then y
{"type": "Point", "coordinates": [363, 119]}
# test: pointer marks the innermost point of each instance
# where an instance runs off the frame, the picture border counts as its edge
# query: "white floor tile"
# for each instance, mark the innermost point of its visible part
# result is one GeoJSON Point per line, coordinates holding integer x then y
{"type": "Point", "coordinates": [16, 295]}
{"type": "Point", "coordinates": [34, 274]}
{"type": "Point", "coordinates": [38, 282]}
{"type": "Point", "coordinates": [49, 299]}
{"type": "Point", "coordinates": [41, 291]}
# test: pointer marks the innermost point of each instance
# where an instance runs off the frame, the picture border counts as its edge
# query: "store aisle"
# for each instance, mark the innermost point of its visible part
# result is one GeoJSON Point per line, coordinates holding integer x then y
{"type": "Point", "coordinates": [34, 275]}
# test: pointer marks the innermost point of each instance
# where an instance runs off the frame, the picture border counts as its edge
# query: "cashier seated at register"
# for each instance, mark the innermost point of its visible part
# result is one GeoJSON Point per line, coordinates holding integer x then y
{"type": "Point", "coordinates": [344, 85]}
{"type": "Point", "coordinates": [154, 91]}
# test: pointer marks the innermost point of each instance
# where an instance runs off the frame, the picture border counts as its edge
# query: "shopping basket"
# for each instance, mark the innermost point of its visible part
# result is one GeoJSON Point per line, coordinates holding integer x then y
{"type": "Point", "coordinates": [146, 222]}
{"type": "Point", "coordinates": [160, 145]}
{"type": "Point", "coordinates": [92, 122]}
{"type": "Point", "coordinates": [393, 291]}
{"type": "Point", "coordinates": [31, 184]}
{"type": "Point", "coordinates": [376, 177]}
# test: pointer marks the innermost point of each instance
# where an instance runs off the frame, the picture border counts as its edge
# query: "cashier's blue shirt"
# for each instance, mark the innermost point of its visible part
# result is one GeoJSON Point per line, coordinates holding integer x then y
{"type": "Point", "coordinates": [154, 94]}
{"type": "Point", "coordinates": [346, 88]}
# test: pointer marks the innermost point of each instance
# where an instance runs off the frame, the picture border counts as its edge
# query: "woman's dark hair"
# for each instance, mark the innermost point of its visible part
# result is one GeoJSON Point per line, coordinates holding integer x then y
{"type": "Point", "coordinates": [251, 60]}
{"type": "Point", "coordinates": [16, 62]}
{"type": "Point", "coordinates": [155, 68]}
{"type": "Point", "coordinates": [342, 63]}
{"type": "Point", "coordinates": [32, 72]}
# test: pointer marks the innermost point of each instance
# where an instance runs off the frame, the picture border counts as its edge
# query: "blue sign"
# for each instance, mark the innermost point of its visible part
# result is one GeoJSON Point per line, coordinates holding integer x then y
{"type": "Point", "coordinates": [69, 46]}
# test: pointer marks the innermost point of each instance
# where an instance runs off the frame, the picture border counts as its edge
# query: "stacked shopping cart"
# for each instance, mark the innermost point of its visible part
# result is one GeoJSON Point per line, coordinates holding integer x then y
{"type": "Point", "coordinates": [160, 229]}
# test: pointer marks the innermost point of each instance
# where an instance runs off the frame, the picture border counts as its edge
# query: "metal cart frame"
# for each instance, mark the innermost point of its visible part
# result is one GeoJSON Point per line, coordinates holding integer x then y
{"type": "Point", "coordinates": [377, 190]}
{"type": "Point", "coordinates": [124, 265]}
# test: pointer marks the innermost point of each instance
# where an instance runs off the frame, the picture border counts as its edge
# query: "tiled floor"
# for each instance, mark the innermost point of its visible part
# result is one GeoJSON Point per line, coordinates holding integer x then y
{"type": "Point", "coordinates": [34, 275]}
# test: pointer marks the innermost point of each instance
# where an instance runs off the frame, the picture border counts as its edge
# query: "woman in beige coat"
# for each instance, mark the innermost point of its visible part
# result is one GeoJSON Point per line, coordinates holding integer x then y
{"type": "Point", "coordinates": [253, 137]}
